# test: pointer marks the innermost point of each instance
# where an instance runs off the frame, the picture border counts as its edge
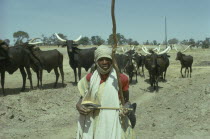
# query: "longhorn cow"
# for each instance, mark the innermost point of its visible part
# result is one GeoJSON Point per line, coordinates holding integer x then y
{"type": "Point", "coordinates": [185, 60]}
{"type": "Point", "coordinates": [78, 58]}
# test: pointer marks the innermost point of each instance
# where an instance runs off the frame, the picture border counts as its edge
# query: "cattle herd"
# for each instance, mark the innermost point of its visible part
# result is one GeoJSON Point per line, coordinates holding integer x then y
{"type": "Point", "coordinates": [26, 57]}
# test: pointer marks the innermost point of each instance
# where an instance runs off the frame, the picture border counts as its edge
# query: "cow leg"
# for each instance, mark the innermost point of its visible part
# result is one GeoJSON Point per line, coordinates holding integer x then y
{"type": "Point", "coordinates": [79, 72]}
{"type": "Point", "coordinates": [165, 75]}
{"type": "Point", "coordinates": [150, 79]}
{"type": "Point", "coordinates": [143, 70]}
{"type": "Point", "coordinates": [75, 75]}
{"type": "Point", "coordinates": [156, 84]}
{"type": "Point", "coordinates": [29, 77]}
{"type": "Point", "coordinates": [62, 74]}
{"type": "Point", "coordinates": [131, 77]}
{"type": "Point", "coordinates": [23, 73]}
{"type": "Point", "coordinates": [2, 81]}
{"type": "Point", "coordinates": [57, 76]}
{"type": "Point", "coordinates": [41, 74]}
{"type": "Point", "coordinates": [185, 72]}
{"type": "Point", "coordinates": [190, 71]}
{"type": "Point", "coordinates": [181, 72]}
{"type": "Point", "coordinates": [136, 77]}
{"type": "Point", "coordinates": [37, 75]}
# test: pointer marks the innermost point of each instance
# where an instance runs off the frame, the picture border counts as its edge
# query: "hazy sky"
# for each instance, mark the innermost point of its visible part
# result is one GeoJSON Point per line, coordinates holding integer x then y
{"type": "Point", "coordinates": [140, 20]}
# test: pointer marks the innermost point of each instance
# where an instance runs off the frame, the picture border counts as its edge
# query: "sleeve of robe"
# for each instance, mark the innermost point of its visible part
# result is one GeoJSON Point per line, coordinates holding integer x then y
{"type": "Point", "coordinates": [83, 86]}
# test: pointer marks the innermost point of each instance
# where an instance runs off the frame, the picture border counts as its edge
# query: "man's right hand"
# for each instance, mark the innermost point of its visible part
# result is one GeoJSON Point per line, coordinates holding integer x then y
{"type": "Point", "coordinates": [82, 109]}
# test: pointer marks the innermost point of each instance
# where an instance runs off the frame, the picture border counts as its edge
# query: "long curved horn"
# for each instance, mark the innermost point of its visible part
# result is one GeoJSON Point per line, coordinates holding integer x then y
{"type": "Point", "coordinates": [78, 39]}
{"type": "Point", "coordinates": [132, 48]}
{"type": "Point", "coordinates": [158, 48]}
{"type": "Point", "coordinates": [145, 51]}
{"type": "Point", "coordinates": [34, 43]}
{"type": "Point", "coordinates": [60, 38]}
{"type": "Point", "coordinates": [186, 48]}
{"type": "Point", "coordinates": [165, 51]}
{"type": "Point", "coordinates": [145, 48]}
{"type": "Point", "coordinates": [123, 49]}
{"type": "Point", "coordinates": [155, 49]}
{"type": "Point", "coordinates": [30, 41]}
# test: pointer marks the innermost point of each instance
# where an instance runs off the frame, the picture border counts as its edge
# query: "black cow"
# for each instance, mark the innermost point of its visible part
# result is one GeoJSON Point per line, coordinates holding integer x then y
{"type": "Point", "coordinates": [131, 64]}
{"type": "Point", "coordinates": [152, 66]}
{"type": "Point", "coordinates": [48, 60]}
{"type": "Point", "coordinates": [139, 58]}
{"type": "Point", "coordinates": [16, 57]}
{"type": "Point", "coordinates": [186, 62]}
{"type": "Point", "coordinates": [78, 58]}
{"type": "Point", "coordinates": [163, 63]}
{"type": "Point", "coordinates": [121, 61]}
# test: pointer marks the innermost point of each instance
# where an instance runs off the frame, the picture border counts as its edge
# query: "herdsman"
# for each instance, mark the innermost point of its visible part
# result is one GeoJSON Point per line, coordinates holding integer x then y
{"type": "Point", "coordinates": [100, 88]}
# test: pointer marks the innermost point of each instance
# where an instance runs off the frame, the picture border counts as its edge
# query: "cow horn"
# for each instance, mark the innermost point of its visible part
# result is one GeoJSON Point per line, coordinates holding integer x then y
{"type": "Point", "coordinates": [155, 49]}
{"type": "Point", "coordinates": [186, 48]}
{"type": "Point", "coordinates": [165, 51]}
{"type": "Point", "coordinates": [60, 38]}
{"type": "Point", "coordinates": [158, 48]}
{"type": "Point", "coordinates": [30, 41]}
{"type": "Point", "coordinates": [78, 39]}
{"type": "Point", "coordinates": [145, 51]}
{"type": "Point", "coordinates": [132, 48]}
{"type": "Point", "coordinates": [34, 43]}
{"type": "Point", "coordinates": [123, 49]}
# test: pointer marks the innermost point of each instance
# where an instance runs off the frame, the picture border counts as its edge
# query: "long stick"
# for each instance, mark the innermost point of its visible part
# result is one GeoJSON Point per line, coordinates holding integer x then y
{"type": "Point", "coordinates": [111, 108]}
{"type": "Point", "coordinates": [114, 51]}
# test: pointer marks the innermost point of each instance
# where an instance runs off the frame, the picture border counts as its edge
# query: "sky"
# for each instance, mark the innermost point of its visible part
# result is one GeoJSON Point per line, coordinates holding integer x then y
{"type": "Point", "coordinates": [140, 20]}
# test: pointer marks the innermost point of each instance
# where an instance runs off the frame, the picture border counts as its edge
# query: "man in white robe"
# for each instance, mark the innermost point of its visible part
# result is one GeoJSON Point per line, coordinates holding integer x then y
{"type": "Point", "coordinates": [101, 88]}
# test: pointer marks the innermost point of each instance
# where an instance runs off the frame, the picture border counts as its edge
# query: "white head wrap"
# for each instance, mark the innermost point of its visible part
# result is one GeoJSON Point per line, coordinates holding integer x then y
{"type": "Point", "coordinates": [103, 51]}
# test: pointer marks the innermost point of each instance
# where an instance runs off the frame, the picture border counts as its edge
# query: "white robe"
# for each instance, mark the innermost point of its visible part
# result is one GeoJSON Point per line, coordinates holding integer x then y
{"type": "Point", "coordinates": [103, 124]}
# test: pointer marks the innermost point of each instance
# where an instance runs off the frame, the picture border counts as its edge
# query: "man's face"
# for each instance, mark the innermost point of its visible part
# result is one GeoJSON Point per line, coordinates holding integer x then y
{"type": "Point", "coordinates": [104, 63]}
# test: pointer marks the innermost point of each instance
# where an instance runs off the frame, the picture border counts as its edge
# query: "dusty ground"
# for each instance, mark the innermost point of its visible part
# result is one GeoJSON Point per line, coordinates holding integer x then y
{"type": "Point", "coordinates": [181, 108]}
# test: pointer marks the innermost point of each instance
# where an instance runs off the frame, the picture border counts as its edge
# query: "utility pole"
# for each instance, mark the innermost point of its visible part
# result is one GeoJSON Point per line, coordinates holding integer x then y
{"type": "Point", "coordinates": [166, 41]}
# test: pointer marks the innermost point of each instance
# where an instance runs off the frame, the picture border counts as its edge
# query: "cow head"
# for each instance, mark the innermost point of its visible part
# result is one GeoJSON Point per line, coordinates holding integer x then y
{"type": "Point", "coordinates": [180, 53]}
{"type": "Point", "coordinates": [71, 44]}
{"type": "Point", "coordinates": [4, 51]}
{"type": "Point", "coordinates": [31, 44]}
{"type": "Point", "coordinates": [179, 56]}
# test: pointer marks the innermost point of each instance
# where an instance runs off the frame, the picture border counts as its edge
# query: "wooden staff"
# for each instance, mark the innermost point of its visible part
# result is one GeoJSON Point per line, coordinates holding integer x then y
{"type": "Point", "coordinates": [114, 51]}
{"type": "Point", "coordinates": [112, 108]}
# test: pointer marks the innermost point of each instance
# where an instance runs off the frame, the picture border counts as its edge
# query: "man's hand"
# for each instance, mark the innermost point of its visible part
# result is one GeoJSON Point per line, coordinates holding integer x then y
{"type": "Point", "coordinates": [81, 108]}
{"type": "Point", "coordinates": [125, 111]}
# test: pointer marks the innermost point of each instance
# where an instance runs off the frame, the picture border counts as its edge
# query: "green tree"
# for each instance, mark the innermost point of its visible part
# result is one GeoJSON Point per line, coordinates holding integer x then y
{"type": "Point", "coordinates": [185, 42]}
{"type": "Point", "coordinates": [146, 43]}
{"type": "Point", "coordinates": [135, 43]}
{"type": "Point", "coordinates": [206, 43]}
{"type": "Point", "coordinates": [84, 41]}
{"type": "Point", "coordinates": [19, 36]}
{"type": "Point", "coordinates": [97, 40]}
{"type": "Point", "coordinates": [173, 41]}
{"type": "Point", "coordinates": [191, 42]}
{"type": "Point", "coordinates": [130, 41]}
{"type": "Point", "coordinates": [154, 42]}
{"type": "Point", "coordinates": [45, 40]}
{"type": "Point", "coordinates": [199, 43]}
{"type": "Point", "coordinates": [120, 38]}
